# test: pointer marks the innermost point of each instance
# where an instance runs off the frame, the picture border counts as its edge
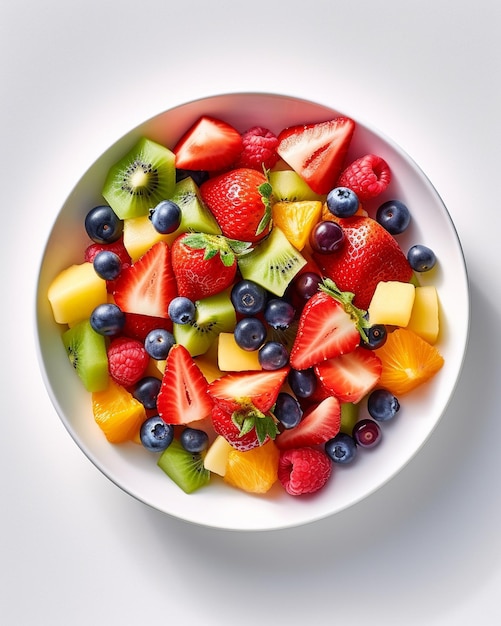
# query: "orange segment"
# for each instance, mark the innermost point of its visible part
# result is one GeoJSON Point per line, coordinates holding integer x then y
{"type": "Point", "coordinates": [117, 413]}
{"type": "Point", "coordinates": [408, 361]}
{"type": "Point", "coordinates": [254, 471]}
{"type": "Point", "coordinates": [296, 219]}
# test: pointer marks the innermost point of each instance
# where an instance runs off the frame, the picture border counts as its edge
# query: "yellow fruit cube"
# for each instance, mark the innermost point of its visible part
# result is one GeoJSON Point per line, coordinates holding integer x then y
{"type": "Point", "coordinates": [216, 457]}
{"type": "Point", "coordinates": [75, 293]}
{"type": "Point", "coordinates": [424, 319]}
{"type": "Point", "coordinates": [296, 219]}
{"type": "Point", "coordinates": [231, 357]}
{"type": "Point", "coordinates": [392, 303]}
{"type": "Point", "coordinates": [140, 235]}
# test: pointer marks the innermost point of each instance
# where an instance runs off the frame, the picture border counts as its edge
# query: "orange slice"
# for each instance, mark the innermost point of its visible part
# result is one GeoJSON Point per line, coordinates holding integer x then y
{"type": "Point", "coordinates": [117, 413]}
{"type": "Point", "coordinates": [408, 361]}
{"type": "Point", "coordinates": [296, 219]}
{"type": "Point", "coordinates": [254, 471]}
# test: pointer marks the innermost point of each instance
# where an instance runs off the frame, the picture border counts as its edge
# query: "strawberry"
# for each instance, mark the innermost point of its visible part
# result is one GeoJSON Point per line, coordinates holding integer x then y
{"type": "Point", "coordinates": [329, 325]}
{"type": "Point", "coordinates": [303, 470]}
{"type": "Point", "coordinates": [117, 247]}
{"type": "Point", "coordinates": [137, 326]}
{"type": "Point", "coordinates": [240, 202]}
{"type": "Point", "coordinates": [127, 360]}
{"type": "Point", "coordinates": [368, 176]}
{"type": "Point", "coordinates": [148, 285]}
{"type": "Point", "coordinates": [369, 255]}
{"type": "Point", "coordinates": [244, 430]}
{"type": "Point", "coordinates": [317, 152]}
{"type": "Point", "coordinates": [318, 424]}
{"type": "Point", "coordinates": [210, 144]}
{"type": "Point", "coordinates": [183, 394]}
{"type": "Point", "coordinates": [350, 376]}
{"type": "Point", "coordinates": [204, 264]}
{"type": "Point", "coordinates": [259, 149]}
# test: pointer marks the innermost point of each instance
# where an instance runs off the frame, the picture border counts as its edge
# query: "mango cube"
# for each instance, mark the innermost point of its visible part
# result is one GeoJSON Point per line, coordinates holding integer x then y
{"type": "Point", "coordinates": [140, 235]}
{"type": "Point", "coordinates": [216, 457]}
{"type": "Point", "coordinates": [232, 358]}
{"type": "Point", "coordinates": [392, 303]}
{"type": "Point", "coordinates": [424, 319]}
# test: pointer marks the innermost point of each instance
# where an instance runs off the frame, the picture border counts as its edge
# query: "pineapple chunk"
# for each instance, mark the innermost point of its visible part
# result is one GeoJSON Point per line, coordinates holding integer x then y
{"type": "Point", "coordinates": [75, 292]}
{"type": "Point", "coordinates": [424, 319]}
{"type": "Point", "coordinates": [392, 303]}
{"type": "Point", "coordinates": [216, 458]}
{"type": "Point", "coordinates": [140, 235]}
{"type": "Point", "coordinates": [231, 357]}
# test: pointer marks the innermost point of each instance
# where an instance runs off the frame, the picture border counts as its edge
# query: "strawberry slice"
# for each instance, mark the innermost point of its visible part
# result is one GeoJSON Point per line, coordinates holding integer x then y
{"type": "Point", "coordinates": [317, 152]}
{"type": "Point", "coordinates": [318, 425]}
{"type": "Point", "coordinates": [210, 144]}
{"type": "Point", "coordinates": [351, 376]}
{"type": "Point", "coordinates": [183, 394]}
{"type": "Point", "coordinates": [138, 326]}
{"type": "Point", "coordinates": [241, 390]}
{"type": "Point", "coordinates": [148, 285]}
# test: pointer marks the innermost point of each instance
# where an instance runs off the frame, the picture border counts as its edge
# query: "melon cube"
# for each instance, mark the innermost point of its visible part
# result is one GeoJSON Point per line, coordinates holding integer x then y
{"type": "Point", "coordinates": [216, 457]}
{"type": "Point", "coordinates": [424, 319]}
{"type": "Point", "coordinates": [232, 358]}
{"type": "Point", "coordinates": [392, 303]}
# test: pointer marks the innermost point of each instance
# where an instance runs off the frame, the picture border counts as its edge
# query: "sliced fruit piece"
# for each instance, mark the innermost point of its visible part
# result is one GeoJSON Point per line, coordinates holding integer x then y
{"type": "Point", "coordinates": [288, 186]}
{"type": "Point", "coordinates": [183, 394]}
{"type": "Point", "coordinates": [231, 357]}
{"type": "Point", "coordinates": [392, 303]}
{"type": "Point", "coordinates": [319, 424]}
{"type": "Point", "coordinates": [117, 413]}
{"type": "Point", "coordinates": [216, 458]}
{"type": "Point", "coordinates": [317, 152]}
{"type": "Point", "coordinates": [185, 468]}
{"type": "Point", "coordinates": [75, 292]}
{"type": "Point", "coordinates": [86, 351]}
{"type": "Point", "coordinates": [138, 326]}
{"type": "Point", "coordinates": [195, 216]}
{"type": "Point", "coordinates": [140, 179]}
{"type": "Point", "coordinates": [209, 144]}
{"type": "Point", "coordinates": [254, 471]}
{"type": "Point", "coordinates": [273, 263]}
{"type": "Point", "coordinates": [296, 219]}
{"type": "Point", "coordinates": [350, 376]}
{"type": "Point", "coordinates": [148, 285]}
{"type": "Point", "coordinates": [407, 361]}
{"type": "Point", "coordinates": [245, 429]}
{"type": "Point", "coordinates": [424, 320]}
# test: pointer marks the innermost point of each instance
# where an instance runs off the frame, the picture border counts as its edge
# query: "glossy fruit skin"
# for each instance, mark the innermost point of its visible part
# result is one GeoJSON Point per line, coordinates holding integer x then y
{"type": "Point", "coordinates": [194, 440]}
{"type": "Point", "coordinates": [158, 343]}
{"type": "Point", "coordinates": [273, 355]}
{"type": "Point", "coordinates": [198, 176]}
{"type": "Point", "coordinates": [342, 202]}
{"type": "Point", "coordinates": [367, 433]}
{"type": "Point", "coordinates": [279, 313]}
{"type": "Point", "coordinates": [326, 237]}
{"type": "Point", "coordinates": [107, 265]}
{"type": "Point", "coordinates": [146, 391]}
{"type": "Point", "coordinates": [382, 405]}
{"type": "Point", "coordinates": [421, 258]}
{"type": "Point", "coordinates": [341, 449]}
{"type": "Point", "coordinates": [287, 410]}
{"type": "Point", "coordinates": [306, 284]}
{"type": "Point", "coordinates": [376, 337]}
{"type": "Point", "coordinates": [181, 310]}
{"type": "Point", "coordinates": [248, 297]}
{"type": "Point", "coordinates": [250, 333]}
{"type": "Point", "coordinates": [394, 216]}
{"type": "Point", "coordinates": [103, 225]}
{"type": "Point", "coordinates": [165, 217]}
{"type": "Point", "coordinates": [302, 382]}
{"type": "Point", "coordinates": [155, 434]}
{"type": "Point", "coordinates": [107, 319]}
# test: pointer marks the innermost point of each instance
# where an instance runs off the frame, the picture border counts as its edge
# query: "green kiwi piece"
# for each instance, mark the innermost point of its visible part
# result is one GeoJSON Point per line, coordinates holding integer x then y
{"type": "Point", "coordinates": [195, 216]}
{"type": "Point", "coordinates": [86, 351]}
{"type": "Point", "coordinates": [213, 315]}
{"type": "Point", "coordinates": [140, 179]}
{"type": "Point", "coordinates": [273, 263]}
{"type": "Point", "coordinates": [287, 185]}
{"type": "Point", "coordinates": [185, 468]}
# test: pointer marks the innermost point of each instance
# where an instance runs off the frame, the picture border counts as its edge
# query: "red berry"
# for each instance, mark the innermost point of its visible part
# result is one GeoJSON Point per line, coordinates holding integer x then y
{"type": "Point", "coordinates": [367, 177]}
{"type": "Point", "coordinates": [127, 360]}
{"type": "Point", "coordinates": [303, 470]}
{"type": "Point", "coordinates": [259, 149]}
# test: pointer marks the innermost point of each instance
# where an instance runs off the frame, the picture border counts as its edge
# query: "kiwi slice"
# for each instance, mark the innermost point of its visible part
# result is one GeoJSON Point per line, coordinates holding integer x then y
{"type": "Point", "coordinates": [140, 179]}
{"type": "Point", "coordinates": [273, 263]}
{"type": "Point", "coordinates": [185, 468]}
{"type": "Point", "coordinates": [287, 185]}
{"type": "Point", "coordinates": [195, 216]}
{"type": "Point", "coordinates": [213, 315]}
{"type": "Point", "coordinates": [86, 351]}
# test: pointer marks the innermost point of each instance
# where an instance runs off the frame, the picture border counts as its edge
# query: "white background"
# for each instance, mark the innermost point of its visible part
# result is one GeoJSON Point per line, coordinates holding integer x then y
{"type": "Point", "coordinates": [75, 549]}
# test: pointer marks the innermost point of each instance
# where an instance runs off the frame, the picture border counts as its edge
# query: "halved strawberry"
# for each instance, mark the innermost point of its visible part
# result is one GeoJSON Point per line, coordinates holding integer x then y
{"type": "Point", "coordinates": [210, 144]}
{"type": "Point", "coordinates": [317, 152]}
{"type": "Point", "coordinates": [138, 326]}
{"type": "Point", "coordinates": [351, 376]}
{"type": "Point", "coordinates": [241, 390]}
{"type": "Point", "coordinates": [318, 425]}
{"type": "Point", "coordinates": [183, 394]}
{"type": "Point", "coordinates": [148, 285]}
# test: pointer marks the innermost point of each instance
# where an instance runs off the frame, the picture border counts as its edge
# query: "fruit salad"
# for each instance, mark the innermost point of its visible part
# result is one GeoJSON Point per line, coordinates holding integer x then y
{"type": "Point", "coordinates": [243, 309]}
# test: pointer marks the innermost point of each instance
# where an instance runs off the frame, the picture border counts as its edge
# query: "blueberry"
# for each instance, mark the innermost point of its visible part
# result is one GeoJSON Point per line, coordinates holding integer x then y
{"type": "Point", "coordinates": [107, 319]}
{"type": "Point", "coordinates": [341, 448]}
{"type": "Point", "coordinates": [146, 391]}
{"type": "Point", "coordinates": [394, 216]}
{"type": "Point", "coordinates": [367, 433]}
{"type": "Point", "coordinates": [421, 258]}
{"type": "Point", "coordinates": [279, 313]}
{"type": "Point", "coordinates": [107, 264]}
{"type": "Point", "coordinates": [342, 202]}
{"type": "Point", "coordinates": [155, 434]}
{"type": "Point", "coordinates": [382, 405]}
{"type": "Point", "coordinates": [103, 225]}
{"type": "Point", "coordinates": [158, 343]}
{"type": "Point", "coordinates": [165, 217]}
{"type": "Point", "coordinates": [198, 176]}
{"type": "Point", "coordinates": [250, 333]}
{"type": "Point", "coordinates": [248, 297]}
{"type": "Point", "coordinates": [302, 382]}
{"type": "Point", "coordinates": [376, 336]}
{"type": "Point", "coordinates": [194, 440]}
{"type": "Point", "coordinates": [273, 355]}
{"type": "Point", "coordinates": [181, 310]}
{"type": "Point", "coordinates": [287, 410]}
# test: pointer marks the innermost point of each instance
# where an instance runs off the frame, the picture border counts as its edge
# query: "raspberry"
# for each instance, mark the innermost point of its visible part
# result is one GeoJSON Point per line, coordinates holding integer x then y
{"type": "Point", "coordinates": [127, 360]}
{"type": "Point", "coordinates": [368, 176]}
{"type": "Point", "coordinates": [303, 470]}
{"type": "Point", "coordinates": [259, 149]}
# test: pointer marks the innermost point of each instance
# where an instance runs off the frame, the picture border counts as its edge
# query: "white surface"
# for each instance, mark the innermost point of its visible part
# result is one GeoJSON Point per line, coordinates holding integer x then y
{"type": "Point", "coordinates": [425, 549]}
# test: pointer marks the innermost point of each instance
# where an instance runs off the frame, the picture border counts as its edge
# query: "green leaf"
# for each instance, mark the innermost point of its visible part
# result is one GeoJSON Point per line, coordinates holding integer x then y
{"type": "Point", "coordinates": [265, 190]}
{"type": "Point", "coordinates": [358, 316]}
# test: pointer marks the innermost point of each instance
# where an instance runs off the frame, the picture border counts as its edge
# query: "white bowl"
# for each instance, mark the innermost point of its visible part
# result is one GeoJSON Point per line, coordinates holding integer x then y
{"type": "Point", "coordinates": [134, 469]}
